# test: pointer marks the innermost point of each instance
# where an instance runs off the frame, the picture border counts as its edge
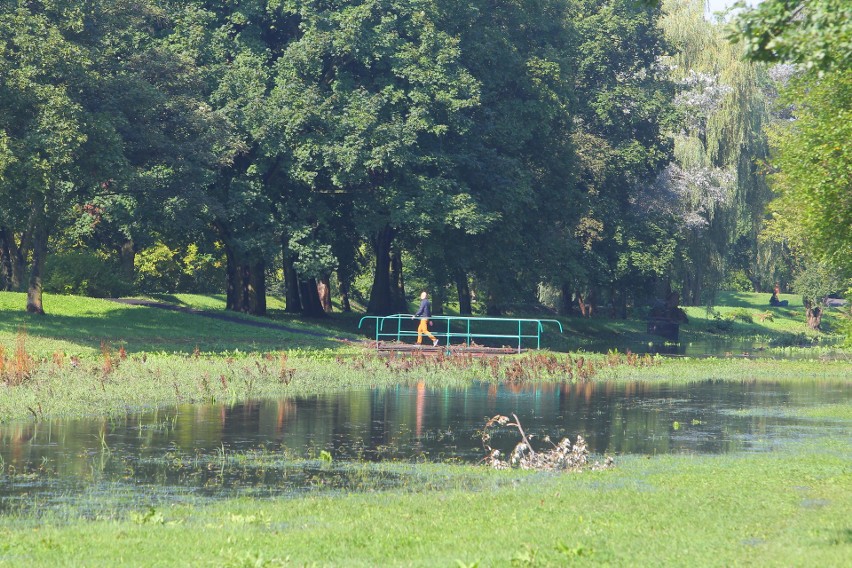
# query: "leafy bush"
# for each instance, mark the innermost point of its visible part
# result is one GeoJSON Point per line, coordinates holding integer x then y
{"type": "Point", "coordinates": [162, 269]}
{"type": "Point", "coordinates": [720, 324]}
{"type": "Point", "coordinates": [741, 314]}
{"type": "Point", "coordinates": [157, 269]}
{"type": "Point", "coordinates": [84, 273]}
{"type": "Point", "coordinates": [737, 281]}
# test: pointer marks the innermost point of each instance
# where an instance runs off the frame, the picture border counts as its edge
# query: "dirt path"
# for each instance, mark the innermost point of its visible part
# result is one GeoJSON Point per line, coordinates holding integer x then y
{"type": "Point", "coordinates": [222, 317]}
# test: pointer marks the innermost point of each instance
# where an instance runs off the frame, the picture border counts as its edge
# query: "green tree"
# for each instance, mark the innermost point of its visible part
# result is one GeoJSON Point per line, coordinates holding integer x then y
{"type": "Point", "coordinates": [90, 107]}
{"type": "Point", "coordinates": [716, 186]}
{"type": "Point", "coordinates": [363, 99]}
{"type": "Point", "coordinates": [816, 34]}
{"type": "Point", "coordinates": [514, 162]}
{"type": "Point", "coordinates": [620, 133]}
{"type": "Point", "coordinates": [811, 170]}
{"type": "Point", "coordinates": [234, 47]}
{"type": "Point", "coordinates": [810, 158]}
{"type": "Point", "coordinates": [815, 282]}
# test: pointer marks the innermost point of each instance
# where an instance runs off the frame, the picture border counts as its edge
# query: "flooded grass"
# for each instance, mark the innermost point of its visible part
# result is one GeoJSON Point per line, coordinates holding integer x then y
{"type": "Point", "coordinates": [785, 508]}
{"type": "Point", "coordinates": [830, 411]}
{"type": "Point", "coordinates": [330, 442]}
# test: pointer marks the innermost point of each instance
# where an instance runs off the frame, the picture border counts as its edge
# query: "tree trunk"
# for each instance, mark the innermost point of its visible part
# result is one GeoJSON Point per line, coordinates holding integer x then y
{"type": "Point", "coordinates": [400, 304]}
{"type": "Point", "coordinates": [381, 300]}
{"type": "Point", "coordinates": [581, 303]}
{"type": "Point", "coordinates": [5, 263]}
{"type": "Point", "coordinates": [566, 307]}
{"type": "Point", "coordinates": [17, 257]}
{"type": "Point", "coordinates": [463, 288]}
{"type": "Point", "coordinates": [34, 287]}
{"type": "Point", "coordinates": [311, 305]}
{"type": "Point", "coordinates": [246, 283]}
{"type": "Point", "coordinates": [585, 303]}
{"type": "Point", "coordinates": [127, 257]}
{"type": "Point", "coordinates": [324, 292]}
{"type": "Point", "coordinates": [291, 283]}
{"type": "Point", "coordinates": [438, 302]}
{"type": "Point", "coordinates": [256, 288]}
{"type": "Point", "coordinates": [695, 286]}
{"type": "Point", "coordinates": [814, 314]}
{"type": "Point", "coordinates": [618, 301]}
{"type": "Point", "coordinates": [233, 300]}
{"type": "Point", "coordinates": [344, 291]}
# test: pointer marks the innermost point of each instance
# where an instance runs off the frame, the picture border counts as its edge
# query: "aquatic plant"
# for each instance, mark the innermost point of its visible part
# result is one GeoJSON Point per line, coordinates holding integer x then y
{"type": "Point", "coordinates": [20, 367]}
{"type": "Point", "coordinates": [532, 366]}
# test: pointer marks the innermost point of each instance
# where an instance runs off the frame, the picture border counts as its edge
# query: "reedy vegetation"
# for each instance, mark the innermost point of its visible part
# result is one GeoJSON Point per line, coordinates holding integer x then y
{"type": "Point", "coordinates": [117, 381]}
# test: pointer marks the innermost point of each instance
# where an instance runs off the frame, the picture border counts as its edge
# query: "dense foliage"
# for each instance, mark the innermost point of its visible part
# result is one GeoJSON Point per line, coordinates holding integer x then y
{"type": "Point", "coordinates": [567, 152]}
{"type": "Point", "coordinates": [810, 165]}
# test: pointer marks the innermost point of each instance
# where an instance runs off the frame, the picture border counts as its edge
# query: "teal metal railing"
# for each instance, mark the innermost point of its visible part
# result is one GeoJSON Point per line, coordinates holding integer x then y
{"type": "Point", "coordinates": [463, 327]}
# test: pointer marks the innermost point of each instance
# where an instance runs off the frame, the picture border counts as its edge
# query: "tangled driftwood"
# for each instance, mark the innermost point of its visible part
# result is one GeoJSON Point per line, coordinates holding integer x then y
{"type": "Point", "coordinates": [563, 456]}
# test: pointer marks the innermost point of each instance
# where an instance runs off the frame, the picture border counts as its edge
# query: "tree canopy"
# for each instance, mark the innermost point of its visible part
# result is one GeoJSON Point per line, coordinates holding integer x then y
{"type": "Point", "coordinates": [551, 153]}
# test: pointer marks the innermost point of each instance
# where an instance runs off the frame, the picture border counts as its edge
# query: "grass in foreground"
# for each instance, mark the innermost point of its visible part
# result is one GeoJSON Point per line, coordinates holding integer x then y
{"type": "Point", "coordinates": [770, 509]}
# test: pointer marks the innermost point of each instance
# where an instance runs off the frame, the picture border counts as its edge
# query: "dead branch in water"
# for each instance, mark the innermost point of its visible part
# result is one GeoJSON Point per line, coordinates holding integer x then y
{"type": "Point", "coordinates": [563, 456]}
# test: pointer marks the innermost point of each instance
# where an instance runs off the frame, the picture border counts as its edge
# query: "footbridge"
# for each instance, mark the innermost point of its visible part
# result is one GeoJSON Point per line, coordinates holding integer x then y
{"type": "Point", "coordinates": [459, 330]}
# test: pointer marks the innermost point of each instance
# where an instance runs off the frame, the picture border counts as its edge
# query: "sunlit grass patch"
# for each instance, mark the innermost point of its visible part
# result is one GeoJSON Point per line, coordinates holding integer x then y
{"type": "Point", "coordinates": [78, 326]}
{"type": "Point", "coordinates": [834, 411]}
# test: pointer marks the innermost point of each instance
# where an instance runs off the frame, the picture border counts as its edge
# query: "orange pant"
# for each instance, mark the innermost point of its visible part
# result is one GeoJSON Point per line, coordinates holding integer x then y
{"type": "Point", "coordinates": [424, 328]}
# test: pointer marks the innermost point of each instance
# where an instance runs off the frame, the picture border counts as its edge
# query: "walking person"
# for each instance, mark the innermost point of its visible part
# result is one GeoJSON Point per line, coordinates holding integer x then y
{"type": "Point", "coordinates": [424, 313]}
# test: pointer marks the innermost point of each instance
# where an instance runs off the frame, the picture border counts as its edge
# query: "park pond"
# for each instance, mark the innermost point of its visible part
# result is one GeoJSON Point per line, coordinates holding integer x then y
{"type": "Point", "coordinates": [373, 439]}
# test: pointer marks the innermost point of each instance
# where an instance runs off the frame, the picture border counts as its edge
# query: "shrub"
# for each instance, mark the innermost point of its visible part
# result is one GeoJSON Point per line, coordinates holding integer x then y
{"type": "Point", "coordinates": [157, 269]}
{"type": "Point", "coordinates": [741, 314]}
{"type": "Point", "coordinates": [719, 324]}
{"type": "Point", "coordinates": [737, 281]}
{"type": "Point", "coordinates": [84, 273]}
{"type": "Point", "coordinates": [163, 269]}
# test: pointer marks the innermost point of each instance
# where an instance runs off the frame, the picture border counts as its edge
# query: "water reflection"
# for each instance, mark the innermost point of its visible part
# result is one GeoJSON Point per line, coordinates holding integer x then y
{"type": "Point", "coordinates": [256, 442]}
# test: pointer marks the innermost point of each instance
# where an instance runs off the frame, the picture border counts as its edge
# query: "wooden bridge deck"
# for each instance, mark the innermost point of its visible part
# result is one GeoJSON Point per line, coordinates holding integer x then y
{"type": "Point", "coordinates": [460, 349]}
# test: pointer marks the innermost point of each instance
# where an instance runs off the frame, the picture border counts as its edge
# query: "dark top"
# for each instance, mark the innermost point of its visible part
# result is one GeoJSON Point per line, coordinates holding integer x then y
{"type": "Point", "coordinates": [425, 310]}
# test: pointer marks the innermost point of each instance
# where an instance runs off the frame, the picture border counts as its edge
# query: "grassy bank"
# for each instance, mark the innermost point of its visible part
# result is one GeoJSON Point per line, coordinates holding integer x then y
{"type": "Point", "coordinates": [733, 316]}
{"type": "Point", "coordinates": [78, 326]}
{"type": "Point", "coordinates": [771, 509]}
{"type": "Point", "coordinates": [114, 383]}
{"type": "Point", "coordinates": [92, 356]}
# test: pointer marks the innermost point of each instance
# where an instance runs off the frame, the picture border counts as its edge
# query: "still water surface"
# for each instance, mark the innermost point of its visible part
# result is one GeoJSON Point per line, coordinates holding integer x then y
{"type": "Point", "coordinates": [221, 448]}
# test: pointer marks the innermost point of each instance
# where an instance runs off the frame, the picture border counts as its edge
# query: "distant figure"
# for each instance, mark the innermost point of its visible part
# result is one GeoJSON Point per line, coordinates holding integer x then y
{"type": "Point", "coordinates": [424, 313]}
{"type": "Point", "coordinates": [775, 302]}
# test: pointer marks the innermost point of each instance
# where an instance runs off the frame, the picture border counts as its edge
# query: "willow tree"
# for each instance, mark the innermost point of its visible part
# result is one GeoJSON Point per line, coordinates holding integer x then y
{"type": "Point", "coordinates": [719, 146]}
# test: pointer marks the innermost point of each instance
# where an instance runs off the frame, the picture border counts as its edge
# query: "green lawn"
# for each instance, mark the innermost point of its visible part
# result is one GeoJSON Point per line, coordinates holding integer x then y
{"type": "Point", "coordinates": [77, 326]}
